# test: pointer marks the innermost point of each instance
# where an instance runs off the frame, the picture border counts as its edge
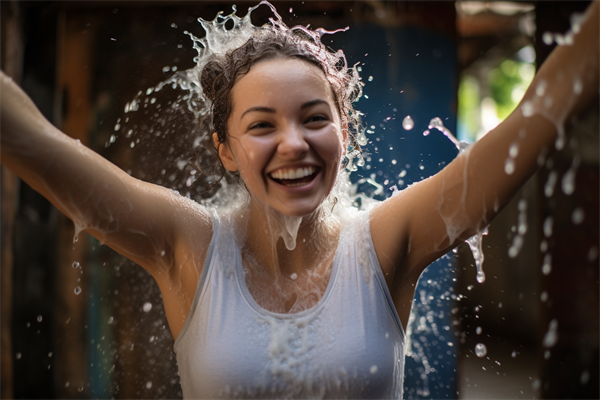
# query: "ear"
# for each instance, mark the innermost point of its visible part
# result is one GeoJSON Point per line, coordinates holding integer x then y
{"type": "Point", "coordinates": [224, 154]}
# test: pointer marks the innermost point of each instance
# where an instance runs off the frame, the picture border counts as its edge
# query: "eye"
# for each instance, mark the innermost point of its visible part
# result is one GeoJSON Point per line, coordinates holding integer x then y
{"type": "Point", "coordinates": [316, 119]}
{"type": "Point", "coordinates": [260, 125]}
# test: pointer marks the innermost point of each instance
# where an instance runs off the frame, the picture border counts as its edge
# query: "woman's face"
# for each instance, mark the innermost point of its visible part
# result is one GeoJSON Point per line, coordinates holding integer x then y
{"type": "Point", "coordinates": [284, 135]}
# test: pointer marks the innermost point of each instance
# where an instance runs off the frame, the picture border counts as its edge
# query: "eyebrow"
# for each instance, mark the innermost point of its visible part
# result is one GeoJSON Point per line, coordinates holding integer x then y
{"type": "Point", "coordinates": [269, 110]}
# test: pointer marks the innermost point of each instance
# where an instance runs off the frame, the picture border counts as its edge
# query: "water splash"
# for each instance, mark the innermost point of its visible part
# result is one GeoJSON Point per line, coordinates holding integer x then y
{"type": "Point", "coordinates": [480, 350]}
{"type": "Point", "coordinates": [475, 243]}
{"type": "Point", "coordinates": [436, 123]}
{"type": "Point", "coordinates": [408, 123]}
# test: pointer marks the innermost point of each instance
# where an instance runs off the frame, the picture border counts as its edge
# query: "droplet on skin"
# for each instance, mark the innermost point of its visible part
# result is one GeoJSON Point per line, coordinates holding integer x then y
{"type": "Point", "coordinates": [577, 86]}
{"type": "Point", "coordinates": [480, 350]}
{"type": "Point", "coordinates": [110, 320]}
{"type": "Point", "coordinates": [527, 109]}
{"type": "Point", "coordinates": [509, 166]}
{"type": "Point", "coordinates": [77, 290]}
{"type": "Point", "coordinates": [293, 276]}
{"type": "Point", "coordinates": [408, 123]}
{"type": "Point", "coordinates": [75, 264]}
{"type": "Point", "coordinates": [513, 150]}
{"type": "Point", "coordinates": [540, 89]}
{"type": "Point", "coordinates": [374, 369]}
{"type": "Point", "coordinates": [147, 307]}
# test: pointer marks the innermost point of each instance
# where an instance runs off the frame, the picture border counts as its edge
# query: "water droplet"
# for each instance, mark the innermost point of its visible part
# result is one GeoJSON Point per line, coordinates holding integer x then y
{"type": "Point", "coordinates": [544, 296]}
{"type": "Point", "coordinates": [18, 356]}
{"type": "Point", "coordinates": [547, 38]}
{"type": "Point", "coordinates": [548, 222]}
{"type": "Point", "coordinates": [480, 350]}
{"type": "Point", "coordinates": [480, 276]}
{"type": "Point", "coordinates": [370, 79]}
{"type": "Point", "coordinates": [39, 318]}
{"type": "Point", "coordinates": [77, 290]}
{"type": "Point", "coordinates": [426, 133]}
{"type": "Point", "coordinates": [550, 183]}
{"type": "Point", "coordinates": [585, 377]}
{"type": "Point", "coordinates": [408, 123]}
{"type": "Point", "coordinates": [478, 330]}
{"type": "Point", "coordinates": [76, 264]}
{"type": "Point", "coordinates": [593, 253]}
{"type": "Point", "coordinates": [362, 139]}
{"type": "Point", "coordinates": [509, 166]}
{"type": "Point", "coordinates": [513, 354]}
{"type": "Point", "coordinates": [360, 162]}
{"type": "Point", "coordinates": [547, 265]}
{"type": "Point", "coordinates": [577, 86]}
{"type": "Point", "coordinates": [513, 150]}
{"type": "Point", "coordinates": [578, 216]}
{"type": "Point", "coordinates": [551, 336]}
{"type": "Point", "coordinates": [80, 389]}
{"type": "Point", "coordinates": [547, 355]}
{"type": "Point", "coordinates": [374, 369]}
{"type": "Point", "coordinates": [147, 307]}
{"type": "Point", "coordinates": [112, 139]}
{"type": "Point", "coordinates": [540, 89]}
{"type": "Point", "coordinates": [117, 127]}
{"type": "Point", "coordinates": [527, 109]}
{"type": "Point", "coordinates": [110, 320]}
{"type": "Point", "coordinates": [548, 101]}
{"type": "Point", "coordinates": [294, 276]}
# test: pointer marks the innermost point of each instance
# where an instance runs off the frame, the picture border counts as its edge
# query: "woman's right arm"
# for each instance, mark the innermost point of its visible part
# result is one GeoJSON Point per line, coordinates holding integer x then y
{"type": "Point", "coordinates": [146, 223]}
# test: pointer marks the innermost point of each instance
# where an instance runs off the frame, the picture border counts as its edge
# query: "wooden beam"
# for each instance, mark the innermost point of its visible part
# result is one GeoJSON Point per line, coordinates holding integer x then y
{"type": "Point", "coordinates": [12, 65]}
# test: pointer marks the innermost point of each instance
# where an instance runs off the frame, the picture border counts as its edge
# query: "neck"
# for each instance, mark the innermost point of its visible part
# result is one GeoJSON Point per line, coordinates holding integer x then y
{"type": "Point", "coordinates": [285, 245]}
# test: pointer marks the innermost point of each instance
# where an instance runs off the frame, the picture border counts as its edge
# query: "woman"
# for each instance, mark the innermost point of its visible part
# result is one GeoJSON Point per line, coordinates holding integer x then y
{"type": "Point", "coordinates": [314, 314]}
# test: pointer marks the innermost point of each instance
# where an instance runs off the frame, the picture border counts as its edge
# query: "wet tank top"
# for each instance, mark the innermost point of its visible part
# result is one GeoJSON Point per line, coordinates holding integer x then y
{"type": "Point", "coordinates": [349, 345]}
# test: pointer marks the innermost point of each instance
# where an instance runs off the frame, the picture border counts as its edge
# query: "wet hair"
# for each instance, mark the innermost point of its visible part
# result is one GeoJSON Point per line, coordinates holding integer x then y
{"type": "Point", "coordinates": [219, 75]}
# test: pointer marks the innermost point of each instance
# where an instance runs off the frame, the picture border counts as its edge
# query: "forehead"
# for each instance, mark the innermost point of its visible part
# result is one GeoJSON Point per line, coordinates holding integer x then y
{"type": "Point", "coordinates": [281, 79]}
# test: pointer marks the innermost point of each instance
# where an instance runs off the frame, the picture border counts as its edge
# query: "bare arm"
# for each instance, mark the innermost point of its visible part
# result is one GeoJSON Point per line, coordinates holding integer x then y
{"type": "Point", "coordinates": [439, 213]}
{"type": "Point", "coordinates": [144, 222]}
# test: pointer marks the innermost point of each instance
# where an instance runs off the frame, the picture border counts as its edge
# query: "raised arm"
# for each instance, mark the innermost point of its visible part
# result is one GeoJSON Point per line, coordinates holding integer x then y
{"type": "Point", "coordinates": [431, 217]}
{"type": "Point", "coordinates": [144, 222]}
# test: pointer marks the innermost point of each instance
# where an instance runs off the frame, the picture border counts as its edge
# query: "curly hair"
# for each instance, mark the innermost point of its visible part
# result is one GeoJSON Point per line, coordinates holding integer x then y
{"type": "Point", "coordinates": [220, 74]}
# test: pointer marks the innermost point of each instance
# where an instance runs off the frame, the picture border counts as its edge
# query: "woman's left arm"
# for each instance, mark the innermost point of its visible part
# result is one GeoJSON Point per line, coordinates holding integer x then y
{"type": "Point", "coordinates": [424, 221]}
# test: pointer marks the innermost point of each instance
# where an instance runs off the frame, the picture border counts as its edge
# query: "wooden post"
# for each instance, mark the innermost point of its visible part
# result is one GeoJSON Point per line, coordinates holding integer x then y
{"type": "Point", "coordinates": [12, 57]}
{"type": "Point", "coordinates": [73, 92]}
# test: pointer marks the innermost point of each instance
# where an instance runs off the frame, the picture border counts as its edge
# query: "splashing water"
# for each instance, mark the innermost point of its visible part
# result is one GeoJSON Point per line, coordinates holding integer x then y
{"type": "Point", "coordinates": [408, 123]}
{"type": "Point", "coordinates": [436, 123]}
{"type": "Point", "coordinates": [475, 243]}
{"type": "Point", "coordinates": [480, 350]}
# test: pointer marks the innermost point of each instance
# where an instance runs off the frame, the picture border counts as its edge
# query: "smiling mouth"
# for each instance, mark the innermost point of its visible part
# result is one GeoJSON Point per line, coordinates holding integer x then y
{"type": "Point", "coordinates": [293, 177]}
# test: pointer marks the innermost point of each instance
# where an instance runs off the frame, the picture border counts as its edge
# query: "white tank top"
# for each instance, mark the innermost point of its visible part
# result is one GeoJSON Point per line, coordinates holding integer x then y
{"type": "Point", "coordinates": [349, 345]}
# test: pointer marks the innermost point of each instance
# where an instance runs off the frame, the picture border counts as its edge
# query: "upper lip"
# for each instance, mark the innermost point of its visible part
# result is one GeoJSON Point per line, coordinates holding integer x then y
{"type": "Point", "coordinates": [293, 171]}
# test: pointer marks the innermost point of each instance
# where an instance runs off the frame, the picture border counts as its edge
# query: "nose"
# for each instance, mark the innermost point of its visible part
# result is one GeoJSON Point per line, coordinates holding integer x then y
{"type": "Point", "coordinates": [292, 142]}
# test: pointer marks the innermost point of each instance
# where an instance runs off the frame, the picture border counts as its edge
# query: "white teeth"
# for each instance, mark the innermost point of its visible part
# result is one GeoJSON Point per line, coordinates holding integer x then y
{"type": "Point", "coordinates": [293, 174]}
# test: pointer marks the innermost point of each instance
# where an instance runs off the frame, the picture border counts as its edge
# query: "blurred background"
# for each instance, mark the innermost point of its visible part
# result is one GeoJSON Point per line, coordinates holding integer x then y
{"type": "Point", "coordinates": [79, 321]}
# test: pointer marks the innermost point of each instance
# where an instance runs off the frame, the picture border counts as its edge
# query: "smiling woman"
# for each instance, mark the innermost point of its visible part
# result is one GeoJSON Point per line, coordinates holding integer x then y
{"type": "Point", "coordinates": [291, 293]}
